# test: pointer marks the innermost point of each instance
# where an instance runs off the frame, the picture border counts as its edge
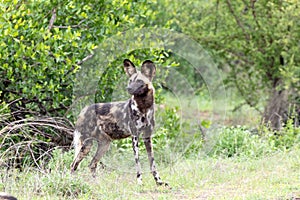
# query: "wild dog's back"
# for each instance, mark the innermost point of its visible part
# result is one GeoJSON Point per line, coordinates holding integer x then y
{"type": "Point", "coordinates": [113, 119]}
{"type": "Point", "coordinates": [101, 122]}
{"type": "Point", "coordinates": [87, 120]}
{"type": "Point", "coordinates": [104, 118]}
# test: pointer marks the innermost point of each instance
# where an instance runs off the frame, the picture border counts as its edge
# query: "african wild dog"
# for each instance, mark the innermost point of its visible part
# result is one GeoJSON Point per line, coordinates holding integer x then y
{"type": "Point", "coordinates": [105, 122]}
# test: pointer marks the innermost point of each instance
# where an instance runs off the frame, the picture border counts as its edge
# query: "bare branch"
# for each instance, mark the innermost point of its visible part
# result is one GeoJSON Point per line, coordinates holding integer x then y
{"type": "Point", "coordinates": [12, 102]}
{"type": "Point", "coordinates": [52, 20]}
{"type": "Point", "coordinates": [37, 137]}
{"type": "Point", "coordinates": [50, 122]}
{"type": "Point", "coordinates": [79, 63]}
{"type": "Point", "coordinates": [85, 59]}
{"type": "Point", "coordinates": [32, 156]}
{"type": "Point", "coordinates": [239, 106]}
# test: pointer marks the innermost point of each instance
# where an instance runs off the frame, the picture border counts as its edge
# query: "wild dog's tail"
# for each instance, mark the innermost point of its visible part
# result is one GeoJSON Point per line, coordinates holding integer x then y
{"type": "Point", "coordinates": [77, 142]}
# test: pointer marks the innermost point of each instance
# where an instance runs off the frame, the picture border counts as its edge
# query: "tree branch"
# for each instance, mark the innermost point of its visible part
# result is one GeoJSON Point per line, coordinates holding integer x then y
{"type": "Point", "coordinates": [79, 63]}
{"type": "Point", "coordinates": [238, 21]}
{"type": "Point", "coordinates": [217, 15]}
{"type": "Point", "coordinates": [254, 12]}
{"type": "Point", "coordinates": [85, 59]}
{"type": "Point", "coordinates": [241, 91]}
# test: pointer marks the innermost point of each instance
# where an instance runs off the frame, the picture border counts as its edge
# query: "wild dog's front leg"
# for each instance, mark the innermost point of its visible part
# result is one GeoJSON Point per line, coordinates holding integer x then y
{"type": "Point", "coordinates": [135, 146]}
{"type": "Point", "coordinates": [148, 144]}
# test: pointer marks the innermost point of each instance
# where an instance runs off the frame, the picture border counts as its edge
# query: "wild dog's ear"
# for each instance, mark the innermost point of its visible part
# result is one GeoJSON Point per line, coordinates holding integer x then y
{"type": "Point", "coordinates": [148, 69]}
{"type": "Point", "coordinates": [129, 67]}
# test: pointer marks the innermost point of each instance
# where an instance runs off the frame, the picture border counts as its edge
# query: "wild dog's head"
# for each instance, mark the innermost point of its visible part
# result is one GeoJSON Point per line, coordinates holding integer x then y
{"type": "Point", "coordinates": [140, 83]}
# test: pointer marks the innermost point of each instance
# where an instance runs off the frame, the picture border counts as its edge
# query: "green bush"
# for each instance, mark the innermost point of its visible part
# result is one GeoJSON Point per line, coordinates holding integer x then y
{"type": "Point", "coordinates": [240, 141]}
{"type": "Point", "coordinates": [43, 46]}
{"type": "Point", "coordinates": [283, 139]}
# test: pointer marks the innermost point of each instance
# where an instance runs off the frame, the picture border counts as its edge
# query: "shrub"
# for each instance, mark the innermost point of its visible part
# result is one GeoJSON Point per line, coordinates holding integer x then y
{"type": "Point", "coordinates": [237, 141]}
{"type": "Point", "coordinates": [283, 139]}
{"type": "Point", "coordinates": [240, 141]}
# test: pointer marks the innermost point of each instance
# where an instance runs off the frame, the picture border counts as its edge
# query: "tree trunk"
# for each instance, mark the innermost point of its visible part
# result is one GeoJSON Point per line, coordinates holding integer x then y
{"type": "Point", "coordinates": [276, 110]}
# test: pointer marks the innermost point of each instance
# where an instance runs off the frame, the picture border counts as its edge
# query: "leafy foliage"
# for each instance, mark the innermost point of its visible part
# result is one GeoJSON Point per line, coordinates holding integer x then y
{"type": "Point", "coordinates": [44, 43]}
{"type": "Point", "coordinates": [240, 141]}
{"type": "Point", "coordinates": [42, 47]}
{"type": "Point", "coordinates": [255, 41]}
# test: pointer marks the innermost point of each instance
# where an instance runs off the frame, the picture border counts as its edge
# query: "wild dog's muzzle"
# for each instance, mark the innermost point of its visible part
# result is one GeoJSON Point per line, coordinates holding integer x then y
{"type": "Point", "coordinates": [137, 88]}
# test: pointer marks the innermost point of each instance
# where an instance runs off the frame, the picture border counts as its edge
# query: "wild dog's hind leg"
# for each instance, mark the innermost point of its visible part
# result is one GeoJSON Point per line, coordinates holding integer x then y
{"type": "Point", "coordinates": [148, 144]}
{"type": "Point", "coordinates": [82, 148]}
{"type": "Point", "coordinates": [135, 146]}
{"type": "Point", "coordinates": [103, 146]}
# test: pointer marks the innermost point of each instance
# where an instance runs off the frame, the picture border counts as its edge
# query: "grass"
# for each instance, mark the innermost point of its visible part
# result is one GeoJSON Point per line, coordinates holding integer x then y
{"type": "Point", "coordinates": [272, 177]}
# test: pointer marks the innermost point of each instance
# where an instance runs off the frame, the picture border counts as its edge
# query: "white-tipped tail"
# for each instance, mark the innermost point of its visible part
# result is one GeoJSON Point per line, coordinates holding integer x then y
{"type": "Point", "coordinates": [77, 142]}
